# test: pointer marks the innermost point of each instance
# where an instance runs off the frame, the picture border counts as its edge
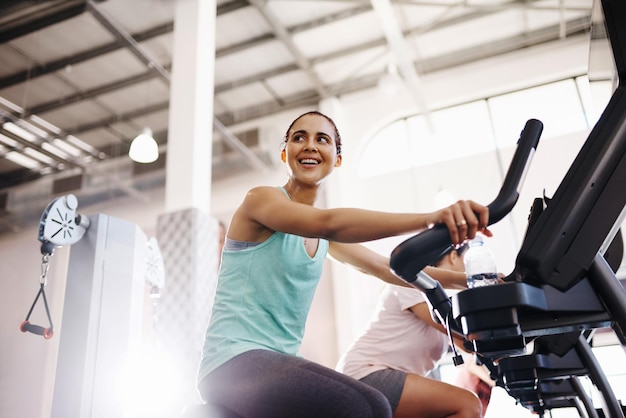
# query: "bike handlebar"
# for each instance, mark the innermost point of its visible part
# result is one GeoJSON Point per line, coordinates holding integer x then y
{"type": "Point", "coordinates": [411, 256]}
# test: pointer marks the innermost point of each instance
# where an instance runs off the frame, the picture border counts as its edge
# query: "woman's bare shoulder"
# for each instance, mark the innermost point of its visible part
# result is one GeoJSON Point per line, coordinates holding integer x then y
{"type": "Point", "coordinates": [264, 191]}
{"type": "Point", "coordinates": [248, 220]}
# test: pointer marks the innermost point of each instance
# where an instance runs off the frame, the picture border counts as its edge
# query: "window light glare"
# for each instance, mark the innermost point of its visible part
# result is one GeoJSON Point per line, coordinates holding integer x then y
{"type": "Point", "coordinates": [144, 148]}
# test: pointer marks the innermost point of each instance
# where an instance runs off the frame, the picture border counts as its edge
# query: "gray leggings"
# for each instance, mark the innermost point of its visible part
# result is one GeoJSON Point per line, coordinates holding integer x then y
{"type": "Point", "coordinates": [266, 384]}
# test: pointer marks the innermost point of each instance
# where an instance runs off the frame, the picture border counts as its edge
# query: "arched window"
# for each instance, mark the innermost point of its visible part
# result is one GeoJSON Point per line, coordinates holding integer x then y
{"type": "Point", "coordinates": [564, 107]}
{"type": "Point", "coordinates": [422, 140]}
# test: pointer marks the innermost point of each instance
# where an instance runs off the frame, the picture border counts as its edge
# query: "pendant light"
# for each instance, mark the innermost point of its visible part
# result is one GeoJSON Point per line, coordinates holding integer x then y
{"type": "Point", "coordinates": [144, 148]}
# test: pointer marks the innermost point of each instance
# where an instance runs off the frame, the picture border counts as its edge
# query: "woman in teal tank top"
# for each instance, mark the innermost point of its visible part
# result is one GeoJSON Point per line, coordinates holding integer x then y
{"type": "Point", "coordinates": [271, 264]}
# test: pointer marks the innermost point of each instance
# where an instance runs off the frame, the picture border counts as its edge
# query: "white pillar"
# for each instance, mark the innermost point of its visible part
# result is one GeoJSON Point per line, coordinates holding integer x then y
{"type": "Point", "coordinates": [190, 137]}
{"type": "Point", "coordinates": [187, 234]}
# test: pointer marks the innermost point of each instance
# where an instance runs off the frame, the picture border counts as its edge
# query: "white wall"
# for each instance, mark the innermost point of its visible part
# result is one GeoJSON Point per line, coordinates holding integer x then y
{"type": "Point", "coordinates": [344, 300]}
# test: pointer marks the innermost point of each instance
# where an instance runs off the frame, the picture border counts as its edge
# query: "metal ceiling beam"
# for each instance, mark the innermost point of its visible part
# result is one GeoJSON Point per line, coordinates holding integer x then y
{"type": "Point", "coordinates": [331, 18]}
{"type": "Point", "coordinates": [577, 27]}
{"type": "Point", "coordinates": [157, 31]}
{"type": "Point", "coordinates": [580, 25]}
{"type": "Point", "coordinates": [307, 98]}
{"type": "Point", "coordinates": [51, 67]}
{"type": "Point", "coordinates": [129, 42]}
{"type": "Point", "coordinates": [494, 6]}
{"type": "Point", "coordinates": [312, 97]}
{"type": "Point", "coordinates": [285, 37]}
{"type": "Point", "coordinates": [476, 12]}
{"type": "Point", "coordinates": [47, 68]}
{"type": "Point", "coordinates": [220, 88]}
{"type": "Point", "coordinates": [18, 18]}
{"type": "Point", "coordinates": [268, 37]}
{"type": "Point", "coordinates": [122, 117]}
{"type": "Point", "coordinates": [242, 46]}
{"type": "Point", "coordinates": [233, 142]}
{"type": "Point", "coordinates": [239, 146]}
{"type": "Point", "coordinates": [402, 56]}
{"type": "Point", "coordinates": [155, 66]}
{"type": "Point", "coordinates": [438, 3]}
{"type": "Point", "coordinates": [89, 94]}
{"type": "Point", "coordinates": [231, 139]}
{"type": "Point", "coordinates": [231, 6]}
{"type": "Point", "coordinates": [339, 53]}
{"type": "Point", "coordinates": [573, 27]}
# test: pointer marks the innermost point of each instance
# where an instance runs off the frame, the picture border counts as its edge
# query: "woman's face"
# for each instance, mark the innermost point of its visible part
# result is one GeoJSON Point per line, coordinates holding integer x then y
{"type": "Point", "coordinates": [310, 151]}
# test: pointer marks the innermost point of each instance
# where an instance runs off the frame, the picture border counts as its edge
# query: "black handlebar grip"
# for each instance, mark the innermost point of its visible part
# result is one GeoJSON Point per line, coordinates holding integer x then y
{"type": "Point", "coordinates": [514, 178]}
{"type": "Point", "coordinates": [36, 329]}
{"type": "Point", "coordinates": [411, 256]}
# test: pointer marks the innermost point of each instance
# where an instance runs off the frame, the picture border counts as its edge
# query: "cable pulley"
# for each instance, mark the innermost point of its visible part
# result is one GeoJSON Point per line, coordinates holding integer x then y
{"type": "Point", "coordinates": [59, 225]}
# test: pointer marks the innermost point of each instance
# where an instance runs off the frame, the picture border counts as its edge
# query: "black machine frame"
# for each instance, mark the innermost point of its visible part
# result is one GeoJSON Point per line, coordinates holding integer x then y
{"type": "Point", "coordinates": [562, 281]}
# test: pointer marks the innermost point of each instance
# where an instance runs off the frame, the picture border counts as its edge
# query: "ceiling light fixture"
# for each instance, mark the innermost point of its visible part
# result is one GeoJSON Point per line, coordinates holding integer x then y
{"type": "Point", "coordinates": [144, 148]}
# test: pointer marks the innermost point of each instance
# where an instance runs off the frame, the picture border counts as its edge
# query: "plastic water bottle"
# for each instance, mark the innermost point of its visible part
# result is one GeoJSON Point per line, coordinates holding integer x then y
{"type": "Point", "coordinates": [480, 264]}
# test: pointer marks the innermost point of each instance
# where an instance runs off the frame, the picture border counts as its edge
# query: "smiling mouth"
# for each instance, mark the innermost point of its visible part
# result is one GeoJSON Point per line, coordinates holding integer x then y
{"type": "Point", "coordinates": [309, 161]}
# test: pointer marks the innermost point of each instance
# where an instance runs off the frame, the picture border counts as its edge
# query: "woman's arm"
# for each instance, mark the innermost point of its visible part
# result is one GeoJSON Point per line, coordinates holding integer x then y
{"type": "Point", "coordinates": [422, 311]}
{"type": "Point", "coordinates": [270, 209]}
{"type": "Point", "coordinates": [370, 262]}
{"type": "Point", "coordinates": [365, 260]}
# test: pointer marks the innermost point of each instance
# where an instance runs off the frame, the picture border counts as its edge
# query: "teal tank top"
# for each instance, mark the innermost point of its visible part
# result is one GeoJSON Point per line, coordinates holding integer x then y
{"type": "Point", "coordinates": [263, 297]}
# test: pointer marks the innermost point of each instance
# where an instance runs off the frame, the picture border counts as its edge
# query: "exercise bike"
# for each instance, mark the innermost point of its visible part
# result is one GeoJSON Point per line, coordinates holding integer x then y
{"type": "Point", "coordinates": [562, 282]}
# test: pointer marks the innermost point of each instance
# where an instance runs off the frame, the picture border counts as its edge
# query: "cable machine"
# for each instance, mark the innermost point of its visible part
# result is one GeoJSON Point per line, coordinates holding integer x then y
{"type": "Point", "coordinates": [103, 307]}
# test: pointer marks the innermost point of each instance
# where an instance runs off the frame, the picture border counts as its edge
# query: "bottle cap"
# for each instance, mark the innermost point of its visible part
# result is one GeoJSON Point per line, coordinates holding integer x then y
{"type": "Point", "coordinates": [478, 239]}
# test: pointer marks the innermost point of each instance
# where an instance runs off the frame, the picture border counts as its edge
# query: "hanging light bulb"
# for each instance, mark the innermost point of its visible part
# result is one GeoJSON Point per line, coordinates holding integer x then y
{"type": "Point", "coordinates": [144, 148]}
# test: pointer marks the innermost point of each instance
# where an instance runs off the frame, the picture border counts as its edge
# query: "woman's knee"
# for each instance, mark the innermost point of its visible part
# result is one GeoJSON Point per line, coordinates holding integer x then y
{"type": "Point", "coordinates": [375, 405]}
{"type": "Point", "coordinates": [354, 399]}
{"type": "Point", "coordinates": [429, 397]}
